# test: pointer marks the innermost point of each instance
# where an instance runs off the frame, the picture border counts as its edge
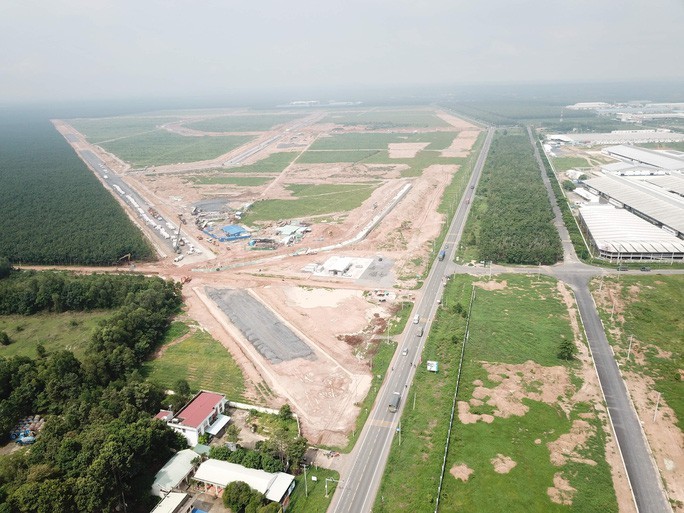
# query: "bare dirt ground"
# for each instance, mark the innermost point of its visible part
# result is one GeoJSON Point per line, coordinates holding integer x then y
{"type": "Point", "coordinates": [502, 464]}
{"type": "Point", "coordinates": [664, 436]}
{"type": "Point", "coordinates": [461, 145]}
{"type": "Point", "coordinates": [461, 472]}
{"type": "Point", "coordinates": [561, 492]}
{"type": "Point", "coordinates": [405, 150]}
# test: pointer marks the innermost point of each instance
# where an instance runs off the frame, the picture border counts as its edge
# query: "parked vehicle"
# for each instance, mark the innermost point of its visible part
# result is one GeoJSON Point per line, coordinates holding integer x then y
{"type": "Point", "coordinates": [622, 268]}
{"type": "Point", "coordinates": [404, 352]}
{"type": "Point", "coordinates": [441, 256]}
{"type": "Point", "coordinates": [645, 269]}
{"type": "Point", "coordinates": [26, 440]}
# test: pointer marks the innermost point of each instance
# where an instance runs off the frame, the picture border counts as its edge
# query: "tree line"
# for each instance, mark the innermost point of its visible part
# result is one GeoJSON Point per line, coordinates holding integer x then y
{"type": "Point", "coordinates": [516, 225]}
{"type": "Point", "coordinates": [100, 445]}
{"type": "Point", "coordinates": [53, 210]}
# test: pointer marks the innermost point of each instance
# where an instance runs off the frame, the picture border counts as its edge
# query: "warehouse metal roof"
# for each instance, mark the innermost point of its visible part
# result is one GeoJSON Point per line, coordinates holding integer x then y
{"type": "Point", "coordinates": [644, 156]}
{"type": "Point", "coordinates": [673, 183]}
{"type": "Point", "coordinates": [648, 203]}
{"type": "Point", "coordinates": [619, 231]}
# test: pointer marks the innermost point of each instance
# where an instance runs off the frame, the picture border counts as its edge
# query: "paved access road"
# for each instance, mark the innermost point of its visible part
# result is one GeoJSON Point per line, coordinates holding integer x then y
{"type": "Point", "coordinates": [357, 490]}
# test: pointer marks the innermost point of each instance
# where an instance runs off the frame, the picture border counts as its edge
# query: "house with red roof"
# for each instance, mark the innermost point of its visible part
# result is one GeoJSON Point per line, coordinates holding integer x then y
{"type": "Point", "coordinates": [203, 414]}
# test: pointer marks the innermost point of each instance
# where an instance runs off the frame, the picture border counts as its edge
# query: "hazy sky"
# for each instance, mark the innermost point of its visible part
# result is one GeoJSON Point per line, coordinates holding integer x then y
{"type": "Point", "coordinates": [70, 49]}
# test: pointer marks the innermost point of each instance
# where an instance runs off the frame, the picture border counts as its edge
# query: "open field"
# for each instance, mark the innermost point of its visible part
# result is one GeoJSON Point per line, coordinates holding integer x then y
{"type": "Point", "coordinates": [380, 141]}
{"type": "Point", "coordinates": [387, 119]}
{"type": "Point", "coordinates": [526, 425]}
{"type": "Point", "coordinates": [311, 200]}
{"type": "Point", "coordinates": [158, 148]}
{"type": "Point", "coordinates": [69, 330]}
{"type": "Point", "coordinates": [239, 123]}
{"type": "Point", "coordinates": [564, 163]}
{"type": "Point", "coordinates": [201, 361]}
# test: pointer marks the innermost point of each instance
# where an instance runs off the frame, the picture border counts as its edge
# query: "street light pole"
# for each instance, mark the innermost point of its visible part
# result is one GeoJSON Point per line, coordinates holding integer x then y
{"type": "Point", "coordinates": [306, 485]}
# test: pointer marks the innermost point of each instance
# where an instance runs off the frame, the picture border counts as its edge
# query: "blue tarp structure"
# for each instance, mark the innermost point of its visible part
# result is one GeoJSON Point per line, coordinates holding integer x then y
{"type": "Point", "coordinates": [232, 231]}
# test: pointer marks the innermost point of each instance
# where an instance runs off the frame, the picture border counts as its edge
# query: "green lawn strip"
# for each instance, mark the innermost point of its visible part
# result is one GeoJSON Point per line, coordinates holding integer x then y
{"type": "Point", "coordinates": [69, 330]}
{"type": "Point", "coordinates": [202, 362]}
{"type": "Point", "coordinates": [419, 459]}
{"type": "Point", "coordinates": [653, 316]}
{"type": "Point", "coordinates": [417, 164]}
{"type": "Point", "coordinates": [176, 330]}
{"type": "Point", "coordinates": [311, 200]}
{"type": "Point", "coordinates": [241, 123]}
{"type": "Point", "coordinates": [678, 145]}
{"type": "Point", "coordinates": [98, 130]}
{"type": "Point", "coordinates": [388, 119]}
{"type": "Point", "coordinates": [334, 156]}
{"type": "Point", "coordinates": [267, 423]}
{"type": "Point", "coordinates": [316, 501]}
{"type": "Point", "coordinates": [161, 147]}
{"type": "Point", "coordinates": [565, 163]}
{"type": "Point", "coordinates": [380, 141]}
{"type": "Point", "coordinates": [243, 181]}
{"type": "Point", "coordinates": [273, 164]}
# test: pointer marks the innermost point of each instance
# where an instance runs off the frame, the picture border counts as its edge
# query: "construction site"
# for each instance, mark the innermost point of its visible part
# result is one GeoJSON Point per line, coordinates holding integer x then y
{"type": "Point", "coordinates": [289, 236]}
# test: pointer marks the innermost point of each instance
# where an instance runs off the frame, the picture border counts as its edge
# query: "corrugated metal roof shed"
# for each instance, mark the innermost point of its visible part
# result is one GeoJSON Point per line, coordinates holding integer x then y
{"type": "Point", "coordinates": [644, 156]}
{"type": "Point", "coordinates": [616, 230]}
{"type": "Point", "coordinates": [665, 212]}
{"type": "Point", "coordinates": [674, 183]}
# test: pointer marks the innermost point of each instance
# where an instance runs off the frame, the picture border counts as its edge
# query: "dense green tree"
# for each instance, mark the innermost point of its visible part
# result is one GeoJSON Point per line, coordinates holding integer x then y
{"type": "Point", "coordinates": [240, 498]}
{"type": "Point", "coordinates": [567, 349]}
{"type": "Point", "coordinates": [5, 267]}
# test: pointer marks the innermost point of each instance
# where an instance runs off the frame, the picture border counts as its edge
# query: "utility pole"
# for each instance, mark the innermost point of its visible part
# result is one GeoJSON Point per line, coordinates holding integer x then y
{"type": "Point", "coordinates": [306, 485]}
{"type": "Point", "coordinates": [656, 408]}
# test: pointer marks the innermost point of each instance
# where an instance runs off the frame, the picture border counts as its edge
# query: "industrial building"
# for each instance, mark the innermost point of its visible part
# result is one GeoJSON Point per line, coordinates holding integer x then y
{"type": "Point", "coordinates": [618, 137]}
{"type": "Point", "coordinates": [618, 235]}
{"type": "Point", "coordinates": [215, 475]}
{"type": "Point", "coordinates": [174, 502]}
{"type": "Point", "coordinates": [655, 205]}
{"type": "Point", "coordinates": [670, 161]}
{"type": "Point", "coordinates": [203, 414]}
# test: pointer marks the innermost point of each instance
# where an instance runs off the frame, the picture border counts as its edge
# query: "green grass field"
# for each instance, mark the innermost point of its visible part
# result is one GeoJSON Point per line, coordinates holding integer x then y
{"type": "Point", "coordinates": [311, 200]}
{"type": "Point", "coordinates": [201, 361]}
{"type": "Point", "coordinates": [243, 181]}
{"type": "Point", "coordinates": [69, 330]}
{"type": "Point", "coordinates": [160, 147]}
{"type": "Point", "coordinates": [333, 156]}
{"type": "Point", "coordinates": [418, 460]}
{"type": "Point", "coordinates": [242, 123]}
{"type": "Point", "coordinates": [653, 316]}
{"type": "Point", "coordinates": [379, 141]}
{"type": "Point", "coordinates": [381, 118]}
{"type": "Point", "coordinates": [316, 501]}
{"type": "Point", "coordinates": [679, 146]}
{"type": "Point", "coordinates": [565, 163]}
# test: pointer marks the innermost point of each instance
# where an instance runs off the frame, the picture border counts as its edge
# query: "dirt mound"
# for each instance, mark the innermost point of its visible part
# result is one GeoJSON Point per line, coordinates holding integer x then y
{"type": "Point", "coordinates": [502, 464]}
{"type": "Point", "coordinates": [461, 472]}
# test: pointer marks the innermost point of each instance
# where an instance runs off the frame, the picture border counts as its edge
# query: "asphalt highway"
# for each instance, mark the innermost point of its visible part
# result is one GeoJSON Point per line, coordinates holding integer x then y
{"type": "Point", "coordinates": [357, 490]}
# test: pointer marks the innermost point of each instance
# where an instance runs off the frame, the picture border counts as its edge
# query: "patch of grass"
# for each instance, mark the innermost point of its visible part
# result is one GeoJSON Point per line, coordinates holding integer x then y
{"type": "Point", "coordinates": [311, 200]}
{"type": "Point", "coordinates": [176, 330]}
{"type": "Point", "coordinates": [418, 460]}
{"type": "Point", "coordinates": [69, 330]}
{"type": "Point", "coordinates": [242, 123]}
{"type": "Point", "coordinates": [202, 362]}
{"type": "Point", "coordinates": [242, 181]}
{"type": "Point", "coordinates": [564, 163]}
{"type": "Point", "coordinates": [333, 156]}
{"type": "Point", "coordinates": [679, 146]}
{"type": "Point", "coordinates": [387, 118]}
{"type": "Point", "coordinates": [160, 147]}
{"type": "Point", "coordinates": [524, 321]}
{"type": "Point", "coordinates": [274, 163]}
{"type": "Point", "coordinates": [316, 502]}
{"type": "Point", "coordinates": [268, 423]}
{"type": "Point", "coordinates": [379, 141]}
{"type": "Point", "coordinates": [402, 316]}
{"type": "Point", "coordinates": [653, 316]}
